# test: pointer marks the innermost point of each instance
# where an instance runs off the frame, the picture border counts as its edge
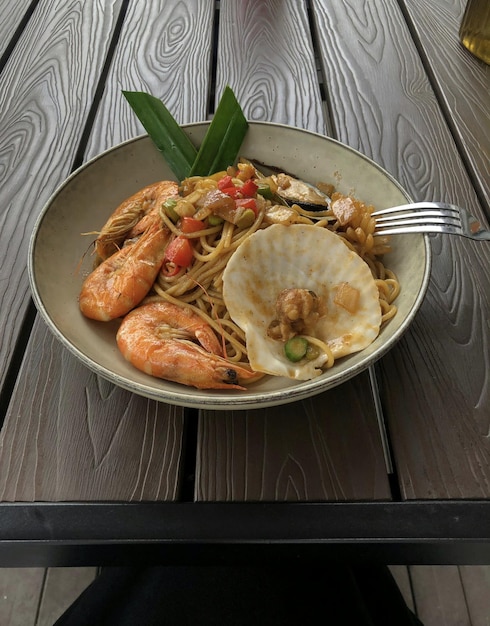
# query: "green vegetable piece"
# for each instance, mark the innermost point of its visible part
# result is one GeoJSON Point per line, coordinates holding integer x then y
{"type": "Point", "coordinates": [223, 139]}
{"type": "Point", "coordinates": [265, 191]}
{"type": "Point", "coordinates": [215, 220]}
{"type": "Point", "coordinates": [246, 219]}
{"type": "Point", "coordinates": [313, 352]}
{"type": "Point", "coordinates": [169, 208]}
{"type": "Point", "coordinates": [296, 348]}
{"type": "Point", "coordinates": [166, 134]}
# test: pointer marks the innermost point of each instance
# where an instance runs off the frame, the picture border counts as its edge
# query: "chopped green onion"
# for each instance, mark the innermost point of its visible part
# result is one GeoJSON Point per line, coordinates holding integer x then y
{"type": "Point", "coordinates": [215, 220]}
{"type": "Point", "coordinates": [164, 131]}
{"type": "Point", "coordinates": [265, 190]}
{"type": "Point", "coordinates": [223, 138]}
{"type": "Point", "coordinates": [169, 208]}
{"type": "Point", "coordinates": [296, 348]}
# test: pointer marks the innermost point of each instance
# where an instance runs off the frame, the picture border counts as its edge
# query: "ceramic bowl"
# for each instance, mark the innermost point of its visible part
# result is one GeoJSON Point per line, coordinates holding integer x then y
{"type": "Point", "coordinates": [59, 256]}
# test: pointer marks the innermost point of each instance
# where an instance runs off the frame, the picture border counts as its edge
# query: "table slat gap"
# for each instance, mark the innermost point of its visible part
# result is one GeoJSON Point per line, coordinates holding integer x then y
{"type": "Point", "coordinates": [13, 24]}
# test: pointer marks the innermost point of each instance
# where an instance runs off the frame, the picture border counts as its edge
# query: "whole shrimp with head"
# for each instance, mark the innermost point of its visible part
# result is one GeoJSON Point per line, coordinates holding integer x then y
{"type": "Point", "coordinates": [174, 343]}
{"type": "Point", "coordinates": [123, 280]}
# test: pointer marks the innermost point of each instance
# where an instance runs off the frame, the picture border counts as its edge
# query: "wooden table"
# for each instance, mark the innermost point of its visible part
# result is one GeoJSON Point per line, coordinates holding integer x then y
{"type": "Point", "coordinates": [394, 465]}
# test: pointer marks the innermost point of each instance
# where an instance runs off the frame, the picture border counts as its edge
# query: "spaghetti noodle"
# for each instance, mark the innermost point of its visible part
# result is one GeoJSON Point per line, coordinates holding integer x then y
{"type": "Point", "coordinates": [213, 216]}
{"type": "Point", "coordinates": [200, 285]}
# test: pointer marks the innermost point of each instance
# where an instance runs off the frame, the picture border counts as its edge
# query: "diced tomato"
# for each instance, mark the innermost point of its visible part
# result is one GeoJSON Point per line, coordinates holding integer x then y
{"type": "Point", "coordinates": [191, 225]}
{"type": "Point", "coordinates": [249, 188]}
{"type": "Point", "coordinates": [233, 192]}
{"type": "Point", "coordinates": [247, 203]}
{"type": "Point", "coordinates": [225, 182]}
{"type": "Point", "coordinates": [179, 251]}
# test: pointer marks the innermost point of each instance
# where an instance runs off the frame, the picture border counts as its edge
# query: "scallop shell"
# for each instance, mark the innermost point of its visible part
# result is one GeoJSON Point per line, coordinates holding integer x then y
{"type": "Point", "coordinates": [299, 256]}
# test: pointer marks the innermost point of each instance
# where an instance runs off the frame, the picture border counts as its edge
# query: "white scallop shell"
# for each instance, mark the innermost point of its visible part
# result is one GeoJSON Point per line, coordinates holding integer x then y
{"type": "Point", "coordinates": [307, 257]}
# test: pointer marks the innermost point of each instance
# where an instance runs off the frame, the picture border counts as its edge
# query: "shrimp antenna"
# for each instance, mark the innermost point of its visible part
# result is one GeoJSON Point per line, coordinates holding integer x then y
{"type": "Point", "coordinates": [82, 258]}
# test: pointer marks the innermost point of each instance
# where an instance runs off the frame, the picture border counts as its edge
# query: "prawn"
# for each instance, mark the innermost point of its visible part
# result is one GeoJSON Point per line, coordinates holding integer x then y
{"type": "Point", "coordinates": [121, 282]}
{"type": "Point", "coordinates": [123, 223]}
{"type": "Point", "coordinates": [167, 341]}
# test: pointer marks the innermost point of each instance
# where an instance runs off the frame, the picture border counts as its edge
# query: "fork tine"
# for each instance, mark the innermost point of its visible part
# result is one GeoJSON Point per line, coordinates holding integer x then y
{"type": "Point", "coordinates": [420, 228]}
{"type": "Point", "coordinates": [416, 219]}
{"type": "Point", "coordinates": [429, 217]}
{"type": "Point", "coordinates": [419, 206]}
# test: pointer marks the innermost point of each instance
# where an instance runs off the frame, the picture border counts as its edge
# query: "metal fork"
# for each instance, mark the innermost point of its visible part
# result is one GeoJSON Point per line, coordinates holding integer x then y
{"type": "Point", "coordinates": [429, 217]}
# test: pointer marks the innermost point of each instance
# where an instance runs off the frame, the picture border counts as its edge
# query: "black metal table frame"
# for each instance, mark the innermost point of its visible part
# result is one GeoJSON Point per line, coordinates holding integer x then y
{"type": "Point", "coordinates": [206, 533]}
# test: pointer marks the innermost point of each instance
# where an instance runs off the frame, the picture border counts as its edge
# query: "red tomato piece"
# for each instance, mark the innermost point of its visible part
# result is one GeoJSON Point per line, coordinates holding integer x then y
{"type": "Point", "coordinates": [225, 182]}
{"type": "Point", "coordinates": [247, 203]}
{"type": "Point", "coordinates": [191, 225]}
{"type": "Point", "coordinates": [249, 188]}
{"type": "Point", "coordinates": [179, 251]}
{"type": "Point", "coordinates": [233, 192]}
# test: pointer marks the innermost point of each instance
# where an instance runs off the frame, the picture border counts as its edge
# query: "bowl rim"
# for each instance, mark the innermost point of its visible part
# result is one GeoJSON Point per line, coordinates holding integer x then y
{"type": "Point", "coordinates": [209, 399]}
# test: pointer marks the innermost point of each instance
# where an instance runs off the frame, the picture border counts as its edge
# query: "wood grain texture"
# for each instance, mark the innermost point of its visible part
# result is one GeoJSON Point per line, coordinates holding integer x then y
{"type": "Point", "coordinates": [164, 49]}
{"type": "Point", "coordinates": [12, 15]}
{"type": "Point", "coordinates": [440, 435]}
{"type": "Point", "coordinates": [461, 80]}
{"type": "Point", "coordinates": [280, 453]}
{"type": "Point", "coordinates": [323, 448]}
{"type": "Point", "coordinates": [165, 40]}
{"type": "Point", "coordinates": [383, 104]}
{"type": "Point", "coordinates": [273, 75]}
{"type": "Point", "coordinates": [46, 90]}
{"type": "Point", "coordinates": [70, 435]}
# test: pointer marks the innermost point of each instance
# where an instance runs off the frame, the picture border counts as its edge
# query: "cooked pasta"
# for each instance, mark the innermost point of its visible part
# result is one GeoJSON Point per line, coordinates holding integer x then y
{"type": "Point", "coordinates": [200, 285]}
{"type": "Point", "coordinates": [203, 226]}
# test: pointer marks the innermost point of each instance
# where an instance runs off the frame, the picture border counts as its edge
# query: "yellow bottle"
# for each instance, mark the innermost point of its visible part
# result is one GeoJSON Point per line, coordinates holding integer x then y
{"type": "Point", "coordinates": [474, 32]}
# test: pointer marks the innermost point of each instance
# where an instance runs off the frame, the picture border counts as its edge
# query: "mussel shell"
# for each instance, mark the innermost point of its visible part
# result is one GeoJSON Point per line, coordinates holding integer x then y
{"type": "Point", "coordinates": [263, 170]}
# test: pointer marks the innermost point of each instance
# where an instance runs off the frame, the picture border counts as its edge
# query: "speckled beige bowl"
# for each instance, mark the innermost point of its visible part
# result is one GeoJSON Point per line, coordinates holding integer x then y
{"type": "Point", "coordinates": [58, 261]}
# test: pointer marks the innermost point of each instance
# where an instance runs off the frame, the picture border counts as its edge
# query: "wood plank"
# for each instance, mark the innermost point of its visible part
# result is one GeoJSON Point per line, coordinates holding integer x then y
{"type": "Point", "coordinates": [382, 101]}
{"type": "Point", "coordinates": [69, 435]}
{"type": "Point", "coordinates": [476, 586]}
{"type": "Point", "coordinates": [439, 596]}
{"type": "Point", "coordinates": [324, 448]}
{"type": "Point", "coordinates": [171, 61]}
{"type": "Point", "coordinates": [265, 56]}
{"type": "Point", "coordinates": [114, 445]}
{"type": "Point", "coordinates": [12, 15]}
{"type": "Point", "coordinates": [20, 590]}
{"type": "Point", "coordinates": [402, 577]}
{"type": "Point", "coordinates": [461, 81]}
{"type": "Point", "coordinates": [62, 587]}
{"type": "Point", "coordinates": [383, 104]}
{"type": "Point", "coordinates": [279, 453]}
{"type": "Point", "coordinates": [46, 90]}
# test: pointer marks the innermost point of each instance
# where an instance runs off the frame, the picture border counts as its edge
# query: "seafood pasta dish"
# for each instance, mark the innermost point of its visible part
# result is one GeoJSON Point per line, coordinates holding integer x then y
{"type": "Point", "coordinates": [224, 279]}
